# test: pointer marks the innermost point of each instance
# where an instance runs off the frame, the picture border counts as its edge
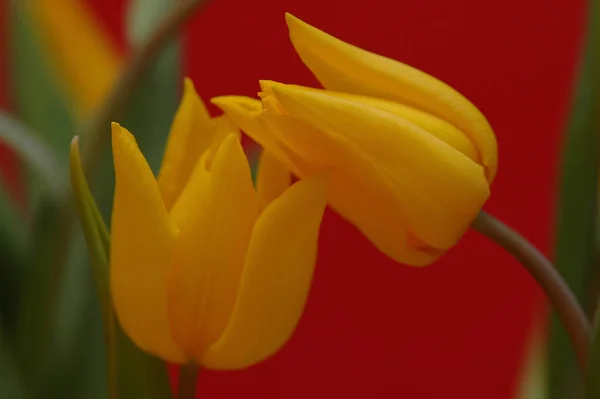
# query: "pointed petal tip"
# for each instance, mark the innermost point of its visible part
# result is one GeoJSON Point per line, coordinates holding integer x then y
{"type": "Point", "coordinates": [267, 85]}
{"type": "Point", "coordinates": [292, 20]}
{"type": "Point", "coordinates": [122, 138]}
{"type": "Point", "coordinates": [75, 143]}
{"type": "Point", "coordinates": [115, 129]}
{"type": "Point", "coordinates": [220, 101]}
{"type": "Point", "coordinates": [230, 143]}
{"type": "Point", "coordinates": [229, 103]}
{"type": "Point", "coordinates": [187, 81]}
{"type": "Point", "coordinates": [188, 87]}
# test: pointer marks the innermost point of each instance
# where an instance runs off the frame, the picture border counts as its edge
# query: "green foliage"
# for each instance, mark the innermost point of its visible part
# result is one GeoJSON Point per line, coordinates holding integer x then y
{"type": "Point", "coordinates": [52, 339]}
{"type": "Point", "coordinates": [576, 234]}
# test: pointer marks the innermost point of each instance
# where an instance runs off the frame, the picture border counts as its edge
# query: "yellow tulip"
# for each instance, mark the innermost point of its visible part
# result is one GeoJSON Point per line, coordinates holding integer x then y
{"type": "Point", "coordinates": [411, 158]}
{"type": "Point", "coordinates": [204, 268]}
{"type": "Point", "coordinates": [81, 53]}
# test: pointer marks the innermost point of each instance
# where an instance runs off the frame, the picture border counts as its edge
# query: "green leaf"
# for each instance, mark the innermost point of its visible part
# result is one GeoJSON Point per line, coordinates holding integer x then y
{"type": "Point", "coordinates": [95, 232]}
{"type": "Point", "coordinates": [59, 331]}
{"type": "Point", "coordinates": [12, 384]}
{"type": "Point", "coordinates": [13, 241]}
{"type": "Point", "coordinates": [577, 208]}
{"type": "Point", "coordinates": [39, 102]}
{"type": "Point", "coordinates": [44, 169]}
{"type": "Point", "coordinates": [34, 153]}
{"type": "Point", "coordinates": [150, 115]}
{"type": "Point", "coordinates": [134, 373]}
{"type": "Point", "coordinates": [534, 384]}
{"type": "Point", "coordinates": [592, 386]}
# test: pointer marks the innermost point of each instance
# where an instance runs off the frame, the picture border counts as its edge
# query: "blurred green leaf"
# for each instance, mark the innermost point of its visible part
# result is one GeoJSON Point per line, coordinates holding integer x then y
{"type": "Point", "coordinates": [59, 318]}
{"type": "Point", "coordinates": [592, 385]}
{"type": "Point", "coordinates": [34, 153]}
{"type": "Point", "coordinates": [44, 169]}
{"type": "Point", "coordinates": [534, 384]}
{"type": "Point", "coordinates": [11, 382]}
{"type": "Point", "coordinates": [138, 374]}
{"type": "Point", "coordinates": [150, 115]}
{"type": "Point", "coordinates": [13, 241]}
{"type": "Point", "coordinates": [71, 328]}
{"type": "Point", "coordinates": [39, 102]}
{"type": "Point", "coordinates": [96, 236]}
{"type": "Point", "coordinates": [577, 208]}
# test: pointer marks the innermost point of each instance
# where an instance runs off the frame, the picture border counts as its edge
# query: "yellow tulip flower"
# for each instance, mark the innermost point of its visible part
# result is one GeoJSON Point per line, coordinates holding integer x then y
{"type": "Point", "coordinates": [82, 54]}
{"type": "Point", "coordinates": [204, 268]}
{"type": "Point", "coordinates": [411, 158]}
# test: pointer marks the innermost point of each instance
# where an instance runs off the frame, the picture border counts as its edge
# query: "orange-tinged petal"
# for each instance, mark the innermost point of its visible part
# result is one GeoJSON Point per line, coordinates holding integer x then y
{"type": "Point", "coordinates": [245, 113]}
{"type": "Point", "coordinates": [353, 190]}
{"type": "Point", "coordinates": [276, 278]}
{"type": "Point", "coordinates": [142, 242]}
{"type": "Point", "coordinates": [438, 189]}
{"type": "Point", "coordinates": [215, 215]}
{"type": "Point", "coordinates": [343, 67]}
{"type": "Point", "coordinates": [358, 191]}
{"type": "Point", "coordinates": [191, 133]}
{"type": "Point", "coordinates": [272, 179]}
{"type": "Point", "coordinates": [85, 59]}
{"type": "Point", "coordinates": [437, 127]}
{"type": "Point", "coordinates": [223, 128]}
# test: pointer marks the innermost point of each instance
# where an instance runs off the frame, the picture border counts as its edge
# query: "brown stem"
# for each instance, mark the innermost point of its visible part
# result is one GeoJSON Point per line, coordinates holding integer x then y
{"type": "Point", "coordinates": [543, 271]}
{"type": "Point", "coordinates": [97, 132]}
{"type": "Point", "coordinates": [188, 381]}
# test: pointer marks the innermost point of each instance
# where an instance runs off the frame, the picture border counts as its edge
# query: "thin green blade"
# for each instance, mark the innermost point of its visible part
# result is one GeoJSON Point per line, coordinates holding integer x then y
{"type": "Point", "coordinates": [577, 209]}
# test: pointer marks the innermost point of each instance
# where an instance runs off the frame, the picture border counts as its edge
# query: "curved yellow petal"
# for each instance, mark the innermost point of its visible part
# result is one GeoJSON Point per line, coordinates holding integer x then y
{"type": "Point", "coordinates": [223, 129]}
{"type": "Point", "coordinates": [215, 215]}
{"type": "Point", "coordinates": [85, 59]}
{"type": "Point", "coordinates": [245, 113]}
{"type": "Point", "coordinates": [437, 127]}
{"type": "Point", "coordinates": [191, 133]}
{"type": "Point", "coordinates": [276, 278]}
{"type": "Point", "coordinates": [358, 191]}
{"type": "Point", "coordinates": [353, 190]}
{"type": "Point", "coordinates": [343, 67]}
{"type": "Point", "coordinates": [272, 179]}
{"type": "Point", "coordinates": [142, 241]}
{"type": "Point", "coordinates": [438, 189]}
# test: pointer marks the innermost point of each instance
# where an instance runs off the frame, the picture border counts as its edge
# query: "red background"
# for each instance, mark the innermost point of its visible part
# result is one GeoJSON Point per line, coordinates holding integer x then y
{"type": "Point", "coordinates": [372, 328]}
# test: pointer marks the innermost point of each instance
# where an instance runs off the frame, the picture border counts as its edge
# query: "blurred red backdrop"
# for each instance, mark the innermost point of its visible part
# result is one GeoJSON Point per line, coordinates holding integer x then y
{"type": "Point", "coordinates": [373, 328]}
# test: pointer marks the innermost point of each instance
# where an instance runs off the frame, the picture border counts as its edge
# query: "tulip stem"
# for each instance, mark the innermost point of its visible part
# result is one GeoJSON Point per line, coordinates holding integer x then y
{"type": "Point", "coordinates": [188, 381]}
{"type": "Point", "coordinates": [543, 271]}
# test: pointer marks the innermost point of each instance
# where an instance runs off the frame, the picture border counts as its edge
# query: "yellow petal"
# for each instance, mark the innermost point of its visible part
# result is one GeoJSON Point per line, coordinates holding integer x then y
{"type": "Point", "coordinates": [272, 179]}
{"type": "Point", "coordinates": [438, 189]}
{"type": "Point", "coordinates": [223, 128]}
{"type": "Point", "coordinates": [437, 127]}
{"type": "Point", "coordinates": [358, 190]}
{"type": "Point", "coordinates": [191, 134]}
{"type": "Point", "coordinates": [245, 113]}
{"type": "Point", "coordinates": [85, 59]}
{"type": "Point", "coordinates": [215, 215]}
{"type": "Point", "coordinates": [353, 190]}
{"type": "Point", "coordinates": [276, 278]}
{"type": "Point", "coordinates": [343, 67]}
{"type": "Point", "coordinates": [142, 241]}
